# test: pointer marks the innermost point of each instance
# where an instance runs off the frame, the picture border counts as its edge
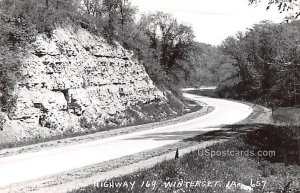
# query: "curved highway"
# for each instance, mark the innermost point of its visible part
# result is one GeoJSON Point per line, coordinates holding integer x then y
{"type": "Point", "coordinates": [28, 166]}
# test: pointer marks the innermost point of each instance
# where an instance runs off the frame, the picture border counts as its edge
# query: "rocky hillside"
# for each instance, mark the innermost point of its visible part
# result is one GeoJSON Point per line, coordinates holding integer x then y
{"type": "Point", "coordinates": [75, 81]}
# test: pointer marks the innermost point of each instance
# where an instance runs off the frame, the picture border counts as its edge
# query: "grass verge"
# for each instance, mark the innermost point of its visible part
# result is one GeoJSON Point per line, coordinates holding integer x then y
{"type": "Point", "coordinates": [200, 172]}
{"type": "Point", "coordinates": [286, 115]}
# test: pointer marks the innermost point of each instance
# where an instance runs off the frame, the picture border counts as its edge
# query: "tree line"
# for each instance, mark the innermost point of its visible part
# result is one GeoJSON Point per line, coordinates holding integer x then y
{"type": "Point", "coordinates": [266, 59]}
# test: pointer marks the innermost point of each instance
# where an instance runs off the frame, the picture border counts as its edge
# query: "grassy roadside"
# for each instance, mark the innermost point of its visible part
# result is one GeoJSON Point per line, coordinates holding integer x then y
{"type": "Point", "coordinates": [199, 173]}
{"type": "Point", "coordinates": [280, 173]}
{"type": "Point", "coordinates": [287, 116]}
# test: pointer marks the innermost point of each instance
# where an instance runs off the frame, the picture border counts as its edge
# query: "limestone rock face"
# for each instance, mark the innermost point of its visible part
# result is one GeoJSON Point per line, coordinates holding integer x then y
{"type": "Point", "coordinates": [75, 75]}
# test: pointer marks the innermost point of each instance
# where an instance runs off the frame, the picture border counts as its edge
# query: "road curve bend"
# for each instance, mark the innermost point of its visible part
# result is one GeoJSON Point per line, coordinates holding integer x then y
{"type": "Point", "coordinates": [29, 166]}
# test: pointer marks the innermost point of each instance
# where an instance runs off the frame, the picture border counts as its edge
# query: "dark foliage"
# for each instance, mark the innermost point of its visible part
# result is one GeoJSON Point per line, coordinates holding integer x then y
{"type": "Point", "coordinates": [266, 59]}
{"type": "Point", "coordinates": [284, 140]}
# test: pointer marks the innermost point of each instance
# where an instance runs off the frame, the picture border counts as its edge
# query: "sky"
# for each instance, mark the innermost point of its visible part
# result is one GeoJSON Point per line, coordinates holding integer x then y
{"type": "Point", "coordinates": [213, 20]}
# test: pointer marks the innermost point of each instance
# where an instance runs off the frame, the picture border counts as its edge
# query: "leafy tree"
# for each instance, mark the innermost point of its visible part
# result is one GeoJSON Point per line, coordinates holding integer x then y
{"type": "Point", "coordinates": [171, 41]}
{"type": "Point", "coordinates": [267, 64]}
{"type": "Point", "coordinates": [209, 64]}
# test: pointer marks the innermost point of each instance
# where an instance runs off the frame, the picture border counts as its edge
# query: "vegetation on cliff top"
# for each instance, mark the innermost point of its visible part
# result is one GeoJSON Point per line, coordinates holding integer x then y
{"type": "Point", "coordinates": [163, 45]}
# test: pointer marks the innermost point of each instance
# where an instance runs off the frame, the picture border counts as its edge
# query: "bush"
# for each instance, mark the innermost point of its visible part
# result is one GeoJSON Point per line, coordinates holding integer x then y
{"type": "Point", "coordinates": [281, 139]}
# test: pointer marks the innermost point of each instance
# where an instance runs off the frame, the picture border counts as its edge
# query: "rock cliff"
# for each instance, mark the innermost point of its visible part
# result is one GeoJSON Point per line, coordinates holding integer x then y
{"type": "Point", "coordinates": [74, 79]}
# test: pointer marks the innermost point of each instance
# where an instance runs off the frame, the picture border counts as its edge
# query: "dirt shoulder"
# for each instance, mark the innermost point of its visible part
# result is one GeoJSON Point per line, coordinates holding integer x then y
{"type": "Point", "coordinates": [260, 115]}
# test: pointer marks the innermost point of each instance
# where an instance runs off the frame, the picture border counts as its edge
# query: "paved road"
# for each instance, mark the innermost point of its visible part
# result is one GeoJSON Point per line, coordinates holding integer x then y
{"type": "Point", "coordinates": [27, 166]}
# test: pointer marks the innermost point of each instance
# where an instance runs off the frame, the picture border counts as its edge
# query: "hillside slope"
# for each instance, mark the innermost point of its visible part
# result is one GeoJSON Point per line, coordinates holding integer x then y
{"type": "Point", "coordinates": [76, 81]}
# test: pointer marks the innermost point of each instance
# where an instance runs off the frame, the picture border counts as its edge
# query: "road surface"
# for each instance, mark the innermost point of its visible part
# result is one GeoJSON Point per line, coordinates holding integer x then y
{"type": "Point", "coordinates": [28, 166]}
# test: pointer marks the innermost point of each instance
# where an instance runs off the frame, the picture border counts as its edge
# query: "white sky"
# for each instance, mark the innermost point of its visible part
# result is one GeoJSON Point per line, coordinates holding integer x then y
{"type": "Point", "coordinates": [212, 20]}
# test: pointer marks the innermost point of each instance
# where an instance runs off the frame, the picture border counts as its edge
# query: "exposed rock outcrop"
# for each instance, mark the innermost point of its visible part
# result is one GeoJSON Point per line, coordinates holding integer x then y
{"type": "Point", "coordinates": [75, 77]}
